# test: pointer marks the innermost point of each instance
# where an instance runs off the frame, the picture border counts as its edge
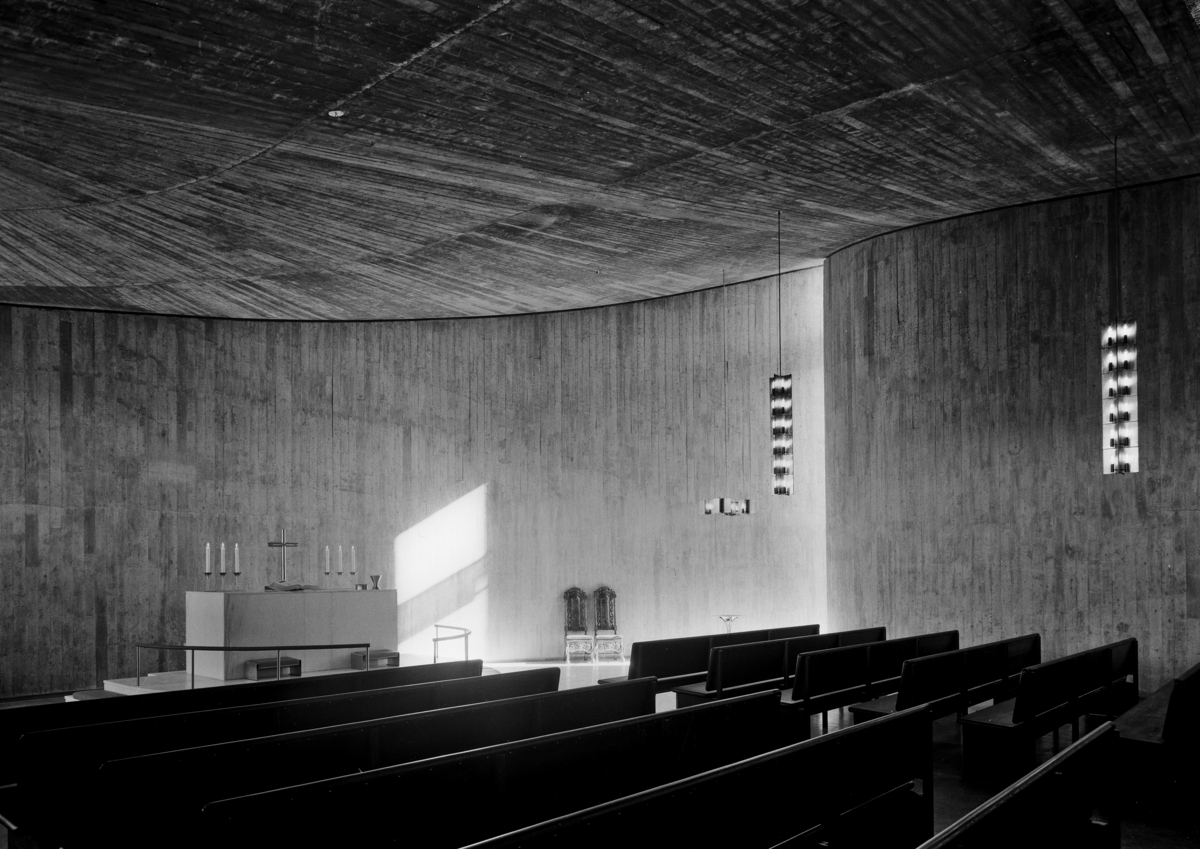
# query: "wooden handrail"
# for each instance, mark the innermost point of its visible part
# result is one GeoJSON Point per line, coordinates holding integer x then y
{"type": "Point", "coordinates": [277, 649]}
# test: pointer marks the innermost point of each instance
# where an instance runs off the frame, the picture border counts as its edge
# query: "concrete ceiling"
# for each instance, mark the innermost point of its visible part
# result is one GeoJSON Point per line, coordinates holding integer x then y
{"type": "Point", "coordinates": [518, 156]}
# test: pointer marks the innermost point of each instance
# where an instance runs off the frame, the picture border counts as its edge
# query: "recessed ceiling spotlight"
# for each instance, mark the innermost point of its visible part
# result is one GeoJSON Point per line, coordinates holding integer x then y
{"type": "Point", "coordinates": [336, 113]}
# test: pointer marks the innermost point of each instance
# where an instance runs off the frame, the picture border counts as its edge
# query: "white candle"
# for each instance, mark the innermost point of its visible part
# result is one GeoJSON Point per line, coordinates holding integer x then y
{"type": "Point", "coordinates": [339, 560]}
{"type": "Point", "coordinates": [353, 564]}
{"type": "Point", "coordinates": [207, 559]}
{"type": "Point", "coordinates": [237, 562]}
{"type": "Point", "coordinates": [222, 558]}
{"type": "Point", "coordinates": [326, 560]}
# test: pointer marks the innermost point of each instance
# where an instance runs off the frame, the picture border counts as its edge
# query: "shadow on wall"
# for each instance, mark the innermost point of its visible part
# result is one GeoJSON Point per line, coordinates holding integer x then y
{"type": "Point", "coordinates": [441, 577]}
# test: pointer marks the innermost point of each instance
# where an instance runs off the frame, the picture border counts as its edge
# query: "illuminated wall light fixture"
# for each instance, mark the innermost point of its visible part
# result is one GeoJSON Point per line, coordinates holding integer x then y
{"type": "Point", "coordinates": [1119, 406]}
{"type": "Point", "coordinates": [781, 433]}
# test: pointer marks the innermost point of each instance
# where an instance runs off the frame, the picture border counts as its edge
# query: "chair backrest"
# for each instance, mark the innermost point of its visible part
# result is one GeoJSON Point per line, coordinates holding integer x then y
{"type": "Point", "coordinates": [575, 611]}
{"type": "Point", "coordinates": [606, 609]}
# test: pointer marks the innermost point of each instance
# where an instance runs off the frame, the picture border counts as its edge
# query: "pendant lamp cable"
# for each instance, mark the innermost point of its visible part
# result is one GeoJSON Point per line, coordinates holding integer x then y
{"type": "Point", "coordinates": [725, 369]}
{"type": "Point", "coordinates": [1117, 226]}
{"type": "Point", "coordinates": [779, 281]}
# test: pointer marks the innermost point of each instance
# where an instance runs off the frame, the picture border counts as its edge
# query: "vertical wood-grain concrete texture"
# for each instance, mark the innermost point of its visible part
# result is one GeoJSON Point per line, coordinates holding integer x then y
{"type": "Point", "coordinates": [582, 442]}
{"type": "Point", "coordinates": [963, 427]}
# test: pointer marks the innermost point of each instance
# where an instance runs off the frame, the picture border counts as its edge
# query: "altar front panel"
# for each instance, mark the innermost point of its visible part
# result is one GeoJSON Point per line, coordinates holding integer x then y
{"type": "Point", "coordinates": [244, 618]}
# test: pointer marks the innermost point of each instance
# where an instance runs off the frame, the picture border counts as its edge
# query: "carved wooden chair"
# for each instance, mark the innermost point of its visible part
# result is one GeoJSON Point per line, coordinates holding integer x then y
{"type": "Point", "coordinates": [579, 642]}
{"type": "Point", "coordinates": [609, 644]}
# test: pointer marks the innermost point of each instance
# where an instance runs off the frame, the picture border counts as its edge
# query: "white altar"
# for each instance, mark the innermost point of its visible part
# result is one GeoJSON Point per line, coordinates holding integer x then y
{"type": "Point", "coordinates": [258, 618]}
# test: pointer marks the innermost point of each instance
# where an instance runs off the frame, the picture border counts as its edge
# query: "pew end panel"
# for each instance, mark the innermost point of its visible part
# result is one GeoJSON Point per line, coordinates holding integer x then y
{"type": "Point", "coordinates": [1071, 800]}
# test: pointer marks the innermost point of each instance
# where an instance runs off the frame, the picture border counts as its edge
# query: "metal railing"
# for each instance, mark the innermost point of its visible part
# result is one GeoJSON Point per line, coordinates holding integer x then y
{"type": "Point", "coordinates": [277, 649]}
{"type": "Point", "coordinates": [466, 632]}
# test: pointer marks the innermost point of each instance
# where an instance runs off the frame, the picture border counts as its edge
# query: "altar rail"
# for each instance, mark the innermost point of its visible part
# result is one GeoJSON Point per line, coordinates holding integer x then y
{"type": "Point", "coordinates": [466, 633]}
{"type": "Point", "coordinates": [277, 649]}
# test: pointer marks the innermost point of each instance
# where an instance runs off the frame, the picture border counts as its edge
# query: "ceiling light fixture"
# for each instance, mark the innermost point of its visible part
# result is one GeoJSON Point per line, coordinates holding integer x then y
{"type": "Point", "coordinates": [336, 113]}
{"type": "Point", "coordinates": [726, 506]}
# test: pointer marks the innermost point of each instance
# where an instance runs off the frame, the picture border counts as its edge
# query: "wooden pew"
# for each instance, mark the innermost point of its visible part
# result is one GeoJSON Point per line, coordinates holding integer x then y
{"type": "Point", "coordinates": [1002, 737]}
{"type": "Point", "coordinates": [952, 681]}
{"type": "Point", "coordinates": [834, 678]}
{"type": "Point", "coordinates": [473, 795]}
{"type": "Point", "coordinates": [684, 660]}
{"type": "Point", "coordinates": [68, 760]}
{"type": "Point", "coordinates": [815, 793]}
{"type": "Point", "coordinates": [1054, 806]}
{"type": "Point", "coordinates": [749, 667]}
{"type": "Point", "coordinates": [183, 779]}
{"type": "Point", "coordinates": [19, 721]}
{"type": "Point", "coordinates": [1160, 745]}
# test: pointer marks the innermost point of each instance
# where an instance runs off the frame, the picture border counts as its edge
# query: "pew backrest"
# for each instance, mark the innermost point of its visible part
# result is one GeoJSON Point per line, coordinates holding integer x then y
{"type": "Point", "coordinates": [936, 643]}
{"type": "Point", "coordinates": [1183, 709]}
{"type": "Point", "coordinates": [730, 666]}
{"type": "Point", "coordinates": [1022, 651]}
{"type": "Point", "coordinates": [516, 784]}
{"type": "Point", "coordinates": [831, 670]}
{"type": "Point", "coordinates": [884, 660]}
{"type": "Point", "coordinates": [86, 747]}
{"type": "Point", "coordinates": [1047, 685]}
{"type": "Point", "coordinates": [737, 638]}
{"type": "Point", "coordinates": [793, 631]}
{"type": "Point", "coordinates": [62, 715]}
{"type": "Point", "coordinates": [797, 646]}
{"type": "Point", "coordinates": [816, 785]}
{"type": "Point", "coordinates": [861, 635]}
{"type": "Point", "coordinates": [183, 777]}
{"type": "Point", "coordinates": [669, 658]}
{"type": "Point", "coordinates": [930, 679]}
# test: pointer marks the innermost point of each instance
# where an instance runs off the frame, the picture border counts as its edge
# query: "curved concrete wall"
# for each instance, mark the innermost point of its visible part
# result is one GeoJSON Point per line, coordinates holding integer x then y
{"type": "Point", "coordinates": [481, 466]}
{"type": "Point", "coordinates": [964, 438]}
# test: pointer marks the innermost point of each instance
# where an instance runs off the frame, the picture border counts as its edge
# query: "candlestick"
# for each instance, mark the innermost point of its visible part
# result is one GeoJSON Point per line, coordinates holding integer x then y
{"type": "Point", "coordinates": [222, 558]}
{"type": "Point", "coordinates": [207, 559]}
{"type": "Point", "coordinates": [353, 564]}
{"type": "Point", "coordinates": [339, 560]}
{"type": "Point", "coordinates": [237, 561]}
{"type": "Point", "coordinates": [326, 560]}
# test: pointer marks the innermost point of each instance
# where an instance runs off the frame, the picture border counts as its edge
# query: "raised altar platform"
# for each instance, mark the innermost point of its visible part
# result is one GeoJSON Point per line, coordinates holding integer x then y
{"type": "Point", "coordinates": [257, 618]}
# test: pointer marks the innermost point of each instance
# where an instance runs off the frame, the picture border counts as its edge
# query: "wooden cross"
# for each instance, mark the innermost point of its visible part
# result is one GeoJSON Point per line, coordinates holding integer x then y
{"type": "Point", "coordinates": [283, 545]}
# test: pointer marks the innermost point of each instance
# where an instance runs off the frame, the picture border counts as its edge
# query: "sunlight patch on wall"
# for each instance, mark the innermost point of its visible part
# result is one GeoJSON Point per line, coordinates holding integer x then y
{"type": "Point", "coordinates": [440, 577]}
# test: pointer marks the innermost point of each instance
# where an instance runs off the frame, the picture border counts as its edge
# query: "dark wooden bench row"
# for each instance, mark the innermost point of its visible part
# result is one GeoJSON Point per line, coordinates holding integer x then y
{"type": "Point", "coordinates": [749, 667]}
{"type": "Point", "coordinates": [1001, 738]}
{"type": "Point", "coordinates": [183, 779]}
{"type": "Point", "coordinates": [1160, 747]}
{"type": "Point", "coordinates": [1071, 800]}
{"type": "Point", "coordinates": [810, 794]}
{"type": "Point", "coordinates": [67, 760]}
{"type": "Point", "coordinates": [684, 660]}
{"type": "Point", "coordinates": [953, 681]}
{"type": "Point", "coordinates": [19, 721]}
{"type": "Point", "coordinates": [834, 678]}
{"type": "Point", "coordinates": [470, 796]}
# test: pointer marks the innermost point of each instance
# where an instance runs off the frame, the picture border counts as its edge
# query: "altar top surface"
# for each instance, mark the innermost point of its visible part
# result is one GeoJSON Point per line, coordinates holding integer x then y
{"type": "Point", "coordinates": [293, 592]}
